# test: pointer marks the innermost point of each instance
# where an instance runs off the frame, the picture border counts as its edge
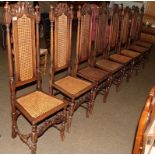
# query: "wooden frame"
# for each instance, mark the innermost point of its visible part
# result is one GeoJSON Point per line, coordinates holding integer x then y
{"type": "Point", "coordinates": [102, 47]}
{"type": "Point", "coordinates": [62, 85]}
{"type": "Point", "coordinates": [26, 56]}
{"type": "Point", "coordinates": [116, 19]}
{"type": "Point", "coordinates": [147, 116]}
{"type": "Point", "coordinates": [100, 78]}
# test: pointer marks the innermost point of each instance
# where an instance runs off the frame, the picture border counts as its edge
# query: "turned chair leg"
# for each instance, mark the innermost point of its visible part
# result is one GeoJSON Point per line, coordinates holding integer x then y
{"type": "Point", "coordinates": [62, 131]}
{"type": "Point", "coordinates": [34, 139]}
{"type": "Point", "coordinates": [71, 111]}
{"type": "Point", "coordinates": [92, 102]}
{"type": "Point", "coordinates": [14, 124]}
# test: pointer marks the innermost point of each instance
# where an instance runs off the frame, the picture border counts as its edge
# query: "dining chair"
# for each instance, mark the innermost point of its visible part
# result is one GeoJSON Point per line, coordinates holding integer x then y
{"type": "Point", "coordinates": [39, 108]}
{"type": "Point", "coordinates": [84, 46]}
{"type": "Point", "coordinates": [77, 92]}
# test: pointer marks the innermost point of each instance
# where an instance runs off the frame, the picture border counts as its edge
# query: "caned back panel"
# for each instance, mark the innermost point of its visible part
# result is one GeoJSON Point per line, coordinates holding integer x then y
{"type": "Point", "coordinates": [102, 29]}
{"type": "Point", "coordinates": [115, 29]}
{"type": "Point", "coordinates": [61, 53]}
{"type": "Point", "coordinates": [24, 48]}
{"type": "Point", "coordinates": [125, 28]}
{"type": "Point", "coordinates": [133, 25]}
{"type": "Point", "coordinates": [85, 37]}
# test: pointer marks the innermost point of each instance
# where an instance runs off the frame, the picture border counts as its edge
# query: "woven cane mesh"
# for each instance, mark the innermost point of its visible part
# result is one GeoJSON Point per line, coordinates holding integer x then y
{"type": "Point", "coordinates": [120, 58]}
{"type": "Point", "coordinates": [72, 85]}
{"type": "Point", "coordinates": [38, 103]}
{"type": "Point", "coordinates": [130, 53]}
{"type": "Point", "coordinates": [115, 29]}
{"type": "Point", "coordinates": [108, 65]}
{"type": "Point", "coordinates": [25, 55]}
{"type": "Point", "coordinates": [61, 43]}
{"type": "Point", "coordinates": [101, 34]}
{"type": "Point", "coordinates": [125, 29]}
{"type": "Point", "coordinates": [84, 36]}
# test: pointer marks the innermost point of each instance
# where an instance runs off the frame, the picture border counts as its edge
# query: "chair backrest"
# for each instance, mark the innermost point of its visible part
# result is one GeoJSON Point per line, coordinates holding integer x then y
{"type": "Point", "coordinates": [83, 45]}
{"type": "Point", "coordinates": [61, 25]}
{"type": "Point", "coordinates": [134, 24]}
{"type": "Point", "coordinates": [125, 26]}
{"type": "Point", "coordinates": [115, 26]}
{"type": "Point", "coordinates": [140, 22]}
{"type": "Point", "coordinates": [102, 35]}
{"type": "Point", "coordinates": [24, 56]}
{"type": "Point", "coordinates": [147, 116]}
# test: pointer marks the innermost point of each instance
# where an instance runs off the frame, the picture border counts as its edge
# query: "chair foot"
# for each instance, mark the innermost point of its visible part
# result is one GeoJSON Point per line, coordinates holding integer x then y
{"type": "Point", "coordinates": [34, 139]}
{"type": "Point", "coordinates": [69, 118]}
{"type": "Point", "coordinates": [62, 131]}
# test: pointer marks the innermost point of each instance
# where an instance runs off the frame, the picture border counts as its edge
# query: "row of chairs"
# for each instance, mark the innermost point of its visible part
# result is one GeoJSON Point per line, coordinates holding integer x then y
{"type": "Point", "coordinates": [111, 30]}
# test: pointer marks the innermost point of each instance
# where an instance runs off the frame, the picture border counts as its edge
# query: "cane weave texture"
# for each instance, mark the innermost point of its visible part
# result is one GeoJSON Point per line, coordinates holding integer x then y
{"type": "Point", "coordinates": [138, 48]}
{"type": "Point", "coordinates": [144, 44]}
{"type": "Point", "coordinates": [25, 41]}
{"type": "Point", "coordinates": [84, 36]}
{"type": "Point", "coordinates": [130, 53]}
{"type": "Point", "coordinates": [94, 74]}
{"type": "Point", "coordinates": [38, 103]}
{"type": "Point", "coordinates": [115, 30]}
{"type": "Point", "coordinates": [108, 65]}
{"type": "Point", "coordinates": [125, 29]}
{"type": "Point", "coordinates": [120, 58]}
{"type": "Point", "coordinates": [72, 85]}
{"type": "Point", "coordinates": [101, 33]}
{"type": "Point", "coordinates": [61, 42]}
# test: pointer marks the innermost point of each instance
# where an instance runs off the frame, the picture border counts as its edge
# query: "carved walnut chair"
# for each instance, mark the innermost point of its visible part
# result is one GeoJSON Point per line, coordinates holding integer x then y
{"type": "Point", "coordinates": [147, 117]}
{"type": "Point", "coordinates": [134, 32]}
{"type": "Point", "coordinates": [100, 56]}
{"type": "Point", "coordinates": [76, 91]}
{"type": "Point", "coordinates": [115, 27]}
{"type": "Point", "coordinates": [124, 35]}
{"type": "Point", "coordinates": [100, 78]}
{"type": "Point", "coordinates": [39, 108]}
{"type": "Point", "coordinates": [139, 41]}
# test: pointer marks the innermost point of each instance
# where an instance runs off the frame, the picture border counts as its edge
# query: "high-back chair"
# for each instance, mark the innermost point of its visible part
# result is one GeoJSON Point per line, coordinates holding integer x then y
{"type": "Point", "coordinates": [143, 143]}
{"type": "Point", "coordinates": [115, 34]}
{"type": "Point", "coordinates": [139, 41]}
{"type": "Point", "coordinates": [75, 90]}
{"type": "Point", "coordinates": [84, 49]}
{"type": "Point", "coordinates": [39, 108]}
{"type": "Point", "coordinates": [124, 38]}
{"type": "Point", "coordinates": [100, 56]}
{"type": "Point", "coordinates": [134, 32]}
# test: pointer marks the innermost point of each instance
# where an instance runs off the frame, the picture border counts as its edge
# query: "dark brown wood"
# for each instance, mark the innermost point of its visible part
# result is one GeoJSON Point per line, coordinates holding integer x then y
{"type": "Point", "coordinates": [24, 68]}
{"type": "Point", "coordinates": [61, 17]}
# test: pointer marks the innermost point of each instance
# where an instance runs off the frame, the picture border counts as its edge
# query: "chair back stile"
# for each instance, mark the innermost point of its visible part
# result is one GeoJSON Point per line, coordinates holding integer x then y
{"type": "Point", "coordinates": [60, 49]}
{"type": "Point", "coordinates": [24, 58]}
{"type": "Point", "coordinates": [83, 43]}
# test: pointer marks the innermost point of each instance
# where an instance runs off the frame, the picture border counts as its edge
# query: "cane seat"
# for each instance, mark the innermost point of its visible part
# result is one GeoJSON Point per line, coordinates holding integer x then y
{"type": "Point", "coordinates": [72, 86]}
{"type": "Point", "coordinates": [137, 48]}
{"type": "Point", "coordinates": [93, 74]}
{"type": "Point", "coordinates": [38, 105]}
{"type": "Point", "coordinates": [130, 53]}
{"type": "Point", "coordinates": [143, 44]}
{"type": "Point", "coordinates": [120, 58]}
{"type": "Point", "coordinates": [108, 65]}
